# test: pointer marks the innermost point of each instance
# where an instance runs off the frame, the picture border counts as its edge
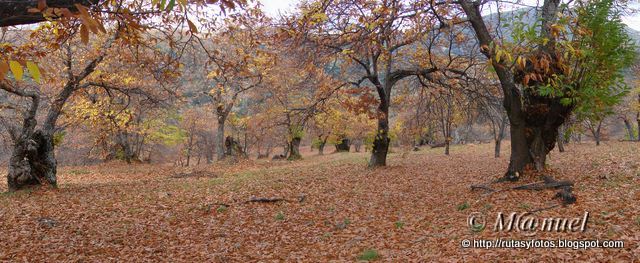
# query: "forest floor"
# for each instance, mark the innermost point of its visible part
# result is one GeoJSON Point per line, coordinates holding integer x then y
{"type": "Point", "coordinates": [414, 210]}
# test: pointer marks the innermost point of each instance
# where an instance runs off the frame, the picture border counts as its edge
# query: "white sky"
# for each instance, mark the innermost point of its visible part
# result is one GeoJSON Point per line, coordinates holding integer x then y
{"type": "Point", "coordinates": [272, 7]}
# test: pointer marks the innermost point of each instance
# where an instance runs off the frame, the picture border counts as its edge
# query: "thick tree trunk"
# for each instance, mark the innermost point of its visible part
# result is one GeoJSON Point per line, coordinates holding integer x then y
{"type": "Point", "coordinates": [321, 148]}
{"type": "Point", "coordinates": [447, 142]}
{"type": "Point", "coordinates": [124, 146]}
{"type": "Point", "coordinates": [382, 140]}
{"type": "Point", "coordinates": [294, 149]}
{"type": "Point", "coordinates": [344, 145]}
{"type": "Point", "coordinates": [233, 148]}
{"type": "Point", "coordinates": [33, 159]}
{"type": "Point", "coordinates": [322, 142]}
{"type": "Point", "coordinates": [32, 162]}
{"type": "Point", "coordinates": [534, 136]}
{"type": "Point", "coordinates": [520, 156]}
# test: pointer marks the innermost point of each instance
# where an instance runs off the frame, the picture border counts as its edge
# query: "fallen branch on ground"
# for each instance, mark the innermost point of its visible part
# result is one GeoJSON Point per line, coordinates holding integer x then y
{"type": "Point", "coordinates": [439, 145]}
{"type": "Point", "coordinates": [265, 200]}
{"type": "Point", "coordinates": [482, 187]}
{"type": "Point", "coordinates": [301, 198]}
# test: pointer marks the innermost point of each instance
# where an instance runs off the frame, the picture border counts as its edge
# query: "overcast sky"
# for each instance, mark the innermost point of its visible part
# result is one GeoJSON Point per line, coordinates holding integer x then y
{"type": "Point", "coordinates": [272, 7]}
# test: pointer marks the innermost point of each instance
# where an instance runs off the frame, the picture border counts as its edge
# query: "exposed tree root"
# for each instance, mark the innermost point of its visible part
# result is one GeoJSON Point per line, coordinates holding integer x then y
{"type": "Point", "coordinates": [565, 194]}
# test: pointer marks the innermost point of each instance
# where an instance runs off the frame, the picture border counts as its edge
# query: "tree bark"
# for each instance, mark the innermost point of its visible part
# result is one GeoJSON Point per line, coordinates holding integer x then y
{"type": "Point", "coordinates": [124, 145]}
{"type": "Point", "coordinates": [382, 140]}
{"type": "Point", "coordinates": [233, 148]}
{"type": "Point", "coordinates": [596, 133]}
{"type": "Point", "coordinates": [220, 154]}
{"type": "Point", "coordinates": [13, 13]}
{"type": "Point", "coordinates": [344, 145]}
{"type": "Point", "coordinates": [629, 128]}
{"type": "Point", "coordinates": [560, 141]}
{"type": "Point", "coordinates": [190, 144]}
{"type": "Point", "coordinates": [294, 149]}
{"type": "Point", "coordinates": [357, 144]}
{"type": "Point", "coordinates": [32, 161]}
{"type": "Point", "coordinates": [322, 143]}
{"type": "Point", "coordinates": [447, 142]}
{"type": "Point", "coordinates": [500, 136]}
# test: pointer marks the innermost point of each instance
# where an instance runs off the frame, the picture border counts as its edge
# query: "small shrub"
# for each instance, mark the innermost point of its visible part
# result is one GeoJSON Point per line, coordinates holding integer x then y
{"type": "Point", "coordinates": [463, 206]}
{"type": "Point", "coordinates": [369, 255]}
{"type": "Point", "coordinates": [222, 209]}
{"type": "Point", "coordinates": [280, 216]}
{"type": "Point", "coordinates": [79, 172]}
{"type": "Point", "coordinates": [525, 206]}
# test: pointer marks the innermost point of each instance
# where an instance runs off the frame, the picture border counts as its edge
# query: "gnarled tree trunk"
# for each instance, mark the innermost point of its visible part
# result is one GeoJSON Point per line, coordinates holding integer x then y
{"type": "Point", "coordinates": [32, 162]}
{"type": "Point", "coordinates": [233, 148]}
{"type": "Point", "coordinates": [123, 144]}
{"type": "Point", "coordinates": [294, 149]}
{"type": "Point", "coordinates": [534, 133]}
{"type": "Point", "coordinates": [344, 145]}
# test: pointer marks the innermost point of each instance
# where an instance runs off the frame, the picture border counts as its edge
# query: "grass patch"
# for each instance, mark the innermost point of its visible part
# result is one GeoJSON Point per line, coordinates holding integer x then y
{"type": "Point", "coordinates": [221, 209]}
{"type": "Point", "coordinates": [79, 172]}
{"type": "Point", "coordinates": [463, 206]}
{"type": "Point", "coordinates": [524, 206]}
{"type": "Point", "coordinates": [279, 216]}
{"type": "Point", "coordinates": [369, 255]}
